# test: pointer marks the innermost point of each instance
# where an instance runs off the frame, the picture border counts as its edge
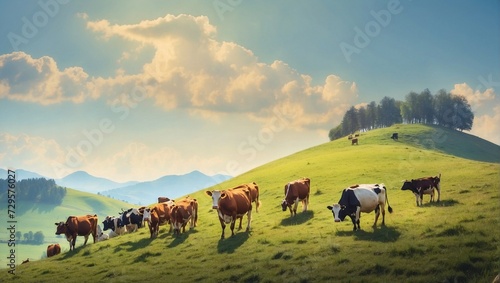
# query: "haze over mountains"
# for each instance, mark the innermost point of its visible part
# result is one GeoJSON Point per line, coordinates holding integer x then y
{"type": "Point", "coordinates": [141, 193]}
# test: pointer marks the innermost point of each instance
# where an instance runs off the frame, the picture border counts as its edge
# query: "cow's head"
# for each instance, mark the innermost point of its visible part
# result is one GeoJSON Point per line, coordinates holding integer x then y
{"type": "Point", "coordinates": [216, 195]}
{"type": "Point", "coordinates": [108, 223]}
{"type": "Point", "coordinates": [339, 212]}
{"type": "Point", "coordinates": [284, 205]}
{"type": "Point", "coordinates": [61, 228]}
{"type": "Point", "coordinates": [407, 185]}
{"type": "Point", "coordinates": [146, 215]}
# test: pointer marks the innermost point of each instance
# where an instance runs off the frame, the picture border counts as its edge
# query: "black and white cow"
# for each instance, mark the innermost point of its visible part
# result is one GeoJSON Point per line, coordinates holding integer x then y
{"type": "Point", "coordinates": [114, 224]}
{"type": "Point", "coordinates": [361, 198]}
{"type": "Point", "coordinates": [132, 219]}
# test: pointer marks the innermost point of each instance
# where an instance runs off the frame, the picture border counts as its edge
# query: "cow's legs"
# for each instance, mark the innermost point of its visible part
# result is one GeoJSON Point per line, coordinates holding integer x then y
{"type": "Point", "coordinates": [295, 205]}
{"type": "Point", "coordinates": [439, 192]}
{"type": "Point", "coordinates": [249, 215]}
{"type": "Point", "coordinates": [232, 226]}
{"type": "Point", "coordinates": [223, 226]}
{"type": "Point", "coordinates": [86, 239]}
{"type": "Point", "coordinates": [240, 227]}
{"type": "Point", "coordinates": [377, 214]}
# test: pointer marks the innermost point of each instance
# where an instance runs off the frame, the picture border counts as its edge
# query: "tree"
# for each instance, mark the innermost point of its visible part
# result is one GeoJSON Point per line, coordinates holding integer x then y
{"type": "Point", "coordinates": [335, 133]}
{"type": "Point", "coordinates": [38, 238]}
{"type": "Point", "coordinates": [425, 107]}
{"type": "Point", "coordinates": [350, 122]}
{"type": "Point", "coordinates": [371, 115]}
{"type": "Point", "coordinates": [389, 112]}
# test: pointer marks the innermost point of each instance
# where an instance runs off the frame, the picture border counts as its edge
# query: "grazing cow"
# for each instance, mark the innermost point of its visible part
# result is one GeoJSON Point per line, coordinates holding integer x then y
{"type": "Point", "coordinates": [423, 186]}
{"type": "Point", "coordinates": [354, 141]}
{"type": "Point", "coordinates": [157, 215]}
{"type": "Point", "coordinates": [132, 219]}
{"type": "Point", "coordinates": [231, 205]}
{"type": "Point", "coordinates": [184, 211]}
{"type": "Point", "coordinates": [349, 137]}
{"type": "Point", "coordinates": [78, 226]}
{"type": "Point", "coordinates": [115, 224]}
{"type": "Point", "coordinates": [361, 198]}
{"type": "Point", "coordinates": [394, 136]}
{"type": "Point", "coordinates": [53, 249]}
{"type": "Point", "coordinates": [296, 191]}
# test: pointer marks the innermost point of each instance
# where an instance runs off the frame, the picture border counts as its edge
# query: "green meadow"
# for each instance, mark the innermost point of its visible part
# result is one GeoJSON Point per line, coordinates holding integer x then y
{"type": "Point", "coordinates": [42, 217]}
{"type": "Point", "coordinates": [455, 240]}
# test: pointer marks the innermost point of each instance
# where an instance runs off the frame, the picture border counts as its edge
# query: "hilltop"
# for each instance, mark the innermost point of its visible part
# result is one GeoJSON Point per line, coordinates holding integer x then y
{"type": "Point", "coordinates": [455, 240]}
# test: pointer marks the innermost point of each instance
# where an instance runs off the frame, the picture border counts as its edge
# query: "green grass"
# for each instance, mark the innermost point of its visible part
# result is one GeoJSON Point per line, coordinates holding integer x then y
{"type": "Point", "coordinates": [41, 217]}
{"type": "Point", "coordinates": [455, 240]}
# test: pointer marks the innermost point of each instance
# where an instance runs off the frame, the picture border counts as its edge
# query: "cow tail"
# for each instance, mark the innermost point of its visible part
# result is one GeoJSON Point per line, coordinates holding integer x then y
{"type": "Point", "coordinates": [389, 208]}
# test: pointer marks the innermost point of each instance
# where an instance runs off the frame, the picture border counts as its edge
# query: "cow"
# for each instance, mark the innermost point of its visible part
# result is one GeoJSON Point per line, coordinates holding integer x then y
{"type": "Point", "coordinates": [354, 141]}
{"type": "Point", "coordinates": [115, 224]}
{"type": "Point", "coordinates": [53, 249]}
{"type": "Point", "coordinates": [361, 198]}
{"type": "Point", "coordinates": [184, 211]}
{"type": "Point", "coordinates": [157, 215]}
{"type": "Point", "coordinates": [231, 205]}
{"type": "Point", "coordinates": [163, 199]}
{"type": "Point", "coordinates": [78, 226]}
{"type": "Point", "coordinates": [423, 186]}
{"type": "Point", "coordinates": [349, 137]}
{"type": "Point", "coordinates": [394, 136]}
{"type": "Point", "coordinates": [296, 191]}
{"type": "Point", "coordinates": [100, 235]}
{"type": "Point", "coordinates": [254, 193]}
{"type": "Point", "coordinates": [132, 219]}
{"type": "Point", "coordinates": [25, 261]}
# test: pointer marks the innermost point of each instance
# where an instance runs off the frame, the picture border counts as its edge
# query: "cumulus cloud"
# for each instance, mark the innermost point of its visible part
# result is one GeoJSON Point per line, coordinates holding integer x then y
{"type": "Point", "coordinates": [39, 80]}
{"type": "Point", "coordinates": [488, 126]}
{"type": "Point", "coordinates": [476, 98]}
{"type": "Point", "coordinates": [190, 69]}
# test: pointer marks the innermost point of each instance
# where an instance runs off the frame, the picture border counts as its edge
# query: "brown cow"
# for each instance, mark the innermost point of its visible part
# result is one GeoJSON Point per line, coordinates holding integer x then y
{"type": "Point", "coordinates": [423, 186]}
{"type": "Point", "coordinates": [163, 199]}
{"type": "Point", "coordinates": [296, 191]}
{"type": "Point", "coordinates": [157, 215]}
{"type": "Point", "coordinates": [184, 211]}
{"type": "Point", "coordinates": [78, 226]}
{"type": "Point", "coordinates": [354, 141]}
{"type": "Point", "coordinates": [53, 249]}
{"type": "Point", "coordinates": [231, 205]}
{"type": "Point", "coordinates": [254, 193]}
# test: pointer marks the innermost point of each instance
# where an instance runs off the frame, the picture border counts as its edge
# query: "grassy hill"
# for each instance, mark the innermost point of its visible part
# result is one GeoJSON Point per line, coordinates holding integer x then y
{"type": "Point", "coordinates": [41, 217]}
{"type": "Point", "coordinates": [456, 240]}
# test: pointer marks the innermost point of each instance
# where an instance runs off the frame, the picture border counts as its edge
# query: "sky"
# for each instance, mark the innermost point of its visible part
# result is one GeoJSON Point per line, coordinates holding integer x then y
{"type": "Point", "coordinates": [135, 90]}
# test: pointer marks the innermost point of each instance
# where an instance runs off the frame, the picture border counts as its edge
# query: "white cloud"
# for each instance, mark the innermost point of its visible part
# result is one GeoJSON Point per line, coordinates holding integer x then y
{"type": "Point", "coordinates": [476, 98]}
{"type": "Point", "coordinates": [190, 70]}
{"type": "Point", "coordinates": [30, 152]}
{"type": "Point", "coordinates": [488, 126]}
{"type": "Point", "coordinates": [40, 81]}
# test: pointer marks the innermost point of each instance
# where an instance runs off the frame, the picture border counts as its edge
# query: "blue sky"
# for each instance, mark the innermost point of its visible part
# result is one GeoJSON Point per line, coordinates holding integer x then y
{"type": "Point", "coordinates": [135, 90]}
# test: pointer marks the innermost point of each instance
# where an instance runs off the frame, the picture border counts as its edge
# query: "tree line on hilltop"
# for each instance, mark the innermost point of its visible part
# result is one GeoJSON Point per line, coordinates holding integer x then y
{"type": "Point", "coordinates": [443, 109]}
{"type": "Point", "coordinates": [37, 190]}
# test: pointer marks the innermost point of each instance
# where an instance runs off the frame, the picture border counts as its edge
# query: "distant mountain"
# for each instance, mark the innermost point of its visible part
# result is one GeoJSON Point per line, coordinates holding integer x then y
{"type": "Point", "coordinates": [172, 186]}
{"type": "Point", "coordinates": [21, 174]}
{"type": "Point", "coordinates": [83, 181]}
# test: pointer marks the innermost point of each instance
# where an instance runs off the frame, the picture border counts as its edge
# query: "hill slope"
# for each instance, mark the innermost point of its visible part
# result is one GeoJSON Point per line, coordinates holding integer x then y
{"type": "Point", "coordinates": [455, 240]}
{"type": "Point", "coordinates": [41, 217]}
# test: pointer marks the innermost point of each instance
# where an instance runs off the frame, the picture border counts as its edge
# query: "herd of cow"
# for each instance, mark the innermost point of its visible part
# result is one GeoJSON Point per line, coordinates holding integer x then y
{"type": "Point", "coordinates": [233, 204]}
